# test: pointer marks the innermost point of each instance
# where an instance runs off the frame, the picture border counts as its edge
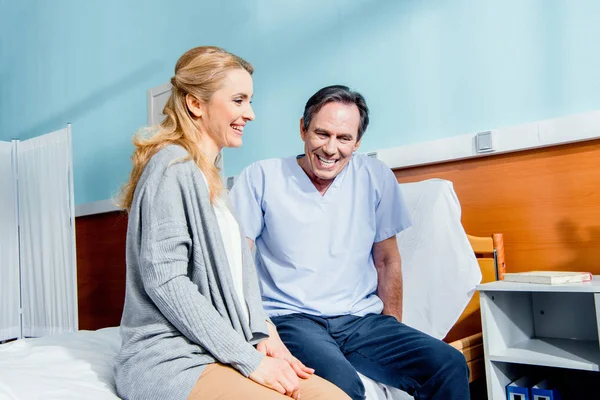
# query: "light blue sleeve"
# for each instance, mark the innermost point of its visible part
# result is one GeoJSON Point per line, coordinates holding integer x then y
{"type": "Point", "coordinates": [246, 197]}
{"type": "Point", "coordinates": [391, 211]}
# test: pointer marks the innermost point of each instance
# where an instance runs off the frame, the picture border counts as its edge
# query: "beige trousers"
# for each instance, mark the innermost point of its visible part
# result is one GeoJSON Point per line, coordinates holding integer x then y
{"type": "Point", "coordinates": [221, 382]}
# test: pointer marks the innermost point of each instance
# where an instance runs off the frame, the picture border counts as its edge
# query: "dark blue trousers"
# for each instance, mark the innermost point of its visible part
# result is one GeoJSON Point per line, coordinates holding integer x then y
{"type": "Point", "coordinates": [377, 346]}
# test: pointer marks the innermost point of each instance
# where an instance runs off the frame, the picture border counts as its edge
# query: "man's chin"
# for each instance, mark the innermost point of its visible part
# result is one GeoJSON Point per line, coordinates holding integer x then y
{"type": "Point", "coordinates": [327, 175]}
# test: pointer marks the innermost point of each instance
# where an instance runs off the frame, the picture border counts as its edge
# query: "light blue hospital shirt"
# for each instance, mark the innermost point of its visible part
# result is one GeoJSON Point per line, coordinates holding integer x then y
{"type": "Point", "coordinates": [314, 252]}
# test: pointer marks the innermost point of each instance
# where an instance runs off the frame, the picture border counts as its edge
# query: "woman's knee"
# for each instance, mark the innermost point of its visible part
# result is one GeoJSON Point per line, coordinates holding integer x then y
{"type": "Point", "coordinates": [317, 388]}
{"type": "Point", "coordinates": [220, 381]}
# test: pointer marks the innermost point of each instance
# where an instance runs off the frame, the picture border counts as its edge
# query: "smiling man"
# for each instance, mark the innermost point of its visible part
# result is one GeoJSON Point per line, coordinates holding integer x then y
{"type": "Point", "coordinates": [324, 224]}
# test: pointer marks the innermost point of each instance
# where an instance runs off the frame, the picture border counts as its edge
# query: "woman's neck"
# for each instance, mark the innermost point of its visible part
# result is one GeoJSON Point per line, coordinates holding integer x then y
{"type": "Point", "coordinates": [209, 148]}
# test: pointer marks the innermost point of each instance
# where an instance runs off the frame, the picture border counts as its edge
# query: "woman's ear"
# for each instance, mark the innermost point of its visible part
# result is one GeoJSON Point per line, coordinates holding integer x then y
{"type": "Point", "coordinates": [194, 105]}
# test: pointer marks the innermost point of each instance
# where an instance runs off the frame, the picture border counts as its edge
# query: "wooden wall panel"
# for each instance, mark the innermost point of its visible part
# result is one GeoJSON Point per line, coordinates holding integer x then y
{"type": "Point", "coordinates": [100, 241]}
{"type": "Point", "coordinates": [546, 202]}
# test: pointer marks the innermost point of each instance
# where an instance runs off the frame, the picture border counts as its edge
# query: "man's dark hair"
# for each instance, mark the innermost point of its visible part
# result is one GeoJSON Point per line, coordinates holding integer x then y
{"type": "Point", "coordinates": [338, 94]}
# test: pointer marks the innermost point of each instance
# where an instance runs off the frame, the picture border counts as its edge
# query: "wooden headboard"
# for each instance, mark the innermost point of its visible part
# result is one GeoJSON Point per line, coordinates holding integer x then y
{"type": "Point", "coordinates": [546, 202]}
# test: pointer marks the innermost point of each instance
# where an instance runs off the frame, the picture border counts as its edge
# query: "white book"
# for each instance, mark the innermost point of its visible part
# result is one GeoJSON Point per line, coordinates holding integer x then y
{"type": "Point", "coordinates": [548, 277]}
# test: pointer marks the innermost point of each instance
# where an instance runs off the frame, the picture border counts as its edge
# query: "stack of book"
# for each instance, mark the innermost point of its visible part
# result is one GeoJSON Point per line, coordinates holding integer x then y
{"type": "Point", "coordinates": [548, 277]}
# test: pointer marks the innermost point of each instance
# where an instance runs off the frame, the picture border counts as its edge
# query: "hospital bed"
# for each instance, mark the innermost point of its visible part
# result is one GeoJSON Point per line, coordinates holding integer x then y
{"type": "Point", "coordinates": [441, 267]}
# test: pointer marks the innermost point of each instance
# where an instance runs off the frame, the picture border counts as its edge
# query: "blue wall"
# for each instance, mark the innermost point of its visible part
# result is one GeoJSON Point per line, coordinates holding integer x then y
{"type": "Point", "coordinates": [429, 69]}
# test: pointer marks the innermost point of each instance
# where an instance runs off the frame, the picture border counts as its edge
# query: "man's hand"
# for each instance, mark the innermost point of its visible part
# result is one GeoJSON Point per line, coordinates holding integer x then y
{"type": "Point", "coordinates": [274, 347]}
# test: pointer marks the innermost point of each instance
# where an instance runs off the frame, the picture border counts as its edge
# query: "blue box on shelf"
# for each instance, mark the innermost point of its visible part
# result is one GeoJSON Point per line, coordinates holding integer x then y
{"type": "Point", "coordinates": [520, 389]}
{"type": "Point", "coordinates": [545, 390]}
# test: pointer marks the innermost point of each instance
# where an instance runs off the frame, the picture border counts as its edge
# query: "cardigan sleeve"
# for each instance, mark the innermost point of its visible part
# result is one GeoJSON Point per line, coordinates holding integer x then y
{"type": "Point", "coordinates": [164, 256]}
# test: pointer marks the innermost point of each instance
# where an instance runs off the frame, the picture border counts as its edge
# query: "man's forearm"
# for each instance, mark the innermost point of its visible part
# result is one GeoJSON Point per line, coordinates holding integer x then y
{"type": "Point", "coordinates": [389, 288]}
{"type": "Point", "coordinates": [388, 263]}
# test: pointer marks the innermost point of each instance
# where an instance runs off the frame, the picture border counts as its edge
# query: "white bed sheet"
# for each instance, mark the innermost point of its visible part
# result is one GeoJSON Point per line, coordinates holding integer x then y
{"type": "Point", "coordinates": [67, 366]}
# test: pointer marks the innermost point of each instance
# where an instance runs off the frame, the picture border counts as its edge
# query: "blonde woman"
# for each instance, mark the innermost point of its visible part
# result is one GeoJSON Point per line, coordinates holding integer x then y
{"type": "Point", "coordinates": [193, 325]}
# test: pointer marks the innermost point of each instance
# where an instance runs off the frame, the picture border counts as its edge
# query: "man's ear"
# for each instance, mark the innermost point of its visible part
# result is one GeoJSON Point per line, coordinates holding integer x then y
{"type": "Point", "coordinates": [302, 131]}
{"type": "Point", "coordinates": [195, 106]}
{"type": "Point", "coordinates": [357, 145]}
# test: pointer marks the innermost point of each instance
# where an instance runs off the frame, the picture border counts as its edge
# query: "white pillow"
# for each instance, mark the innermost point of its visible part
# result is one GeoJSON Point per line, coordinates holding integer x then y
{"type": "Point", "coordinates": [439, 269]}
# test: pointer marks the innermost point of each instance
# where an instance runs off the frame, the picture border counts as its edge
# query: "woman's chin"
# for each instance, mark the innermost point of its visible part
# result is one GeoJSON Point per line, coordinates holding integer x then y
{"type": "Point", "coordinates": [235, 143]}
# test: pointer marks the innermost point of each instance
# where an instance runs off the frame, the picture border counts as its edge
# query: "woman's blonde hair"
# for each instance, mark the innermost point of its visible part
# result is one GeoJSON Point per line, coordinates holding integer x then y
{"type": "Point", "coordinates": [198, 72]}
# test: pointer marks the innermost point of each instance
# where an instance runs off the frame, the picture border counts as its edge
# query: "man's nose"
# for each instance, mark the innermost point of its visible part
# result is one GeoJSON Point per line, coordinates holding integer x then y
{"type": "Point", "coordinates": [330, 147]}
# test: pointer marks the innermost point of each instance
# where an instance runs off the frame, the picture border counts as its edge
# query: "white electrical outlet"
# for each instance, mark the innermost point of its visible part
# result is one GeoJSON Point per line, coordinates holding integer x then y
{"type": "Point", "coordinates": [484, 142]}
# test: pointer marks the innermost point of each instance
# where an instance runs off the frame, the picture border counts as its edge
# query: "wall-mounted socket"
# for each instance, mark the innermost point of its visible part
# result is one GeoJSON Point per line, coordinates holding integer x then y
{"type": "Point", "coordinates": [484, 142]}
{"type": "Point", "coordinates": [372, 154]}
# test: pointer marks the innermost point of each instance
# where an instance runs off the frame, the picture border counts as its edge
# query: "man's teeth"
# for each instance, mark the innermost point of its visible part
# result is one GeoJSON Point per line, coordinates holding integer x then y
{"type": "Point", "coordinates": [238, 128]}
{"type": "Point", "coordinates": [325, 161]}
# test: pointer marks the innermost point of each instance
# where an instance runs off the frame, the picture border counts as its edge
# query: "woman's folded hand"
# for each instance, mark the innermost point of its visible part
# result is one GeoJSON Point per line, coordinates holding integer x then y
{"type": "Point", "coordinates": [278, 375]}
{"type": "Point", "coordinates": [274, 347]}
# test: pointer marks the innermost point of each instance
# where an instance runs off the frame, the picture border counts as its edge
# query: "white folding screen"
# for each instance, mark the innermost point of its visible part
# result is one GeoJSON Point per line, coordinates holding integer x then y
{"type": "Point", "coordinates": [48, 281]}
{"type": "Point", "coordinates": [48, 270]}
{"type": "Point", "coordinates": [10, 293]}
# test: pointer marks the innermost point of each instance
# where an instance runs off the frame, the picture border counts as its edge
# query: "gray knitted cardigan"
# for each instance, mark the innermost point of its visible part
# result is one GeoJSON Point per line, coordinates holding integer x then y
{"type": "Point", "coordinates": [181, 311]}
